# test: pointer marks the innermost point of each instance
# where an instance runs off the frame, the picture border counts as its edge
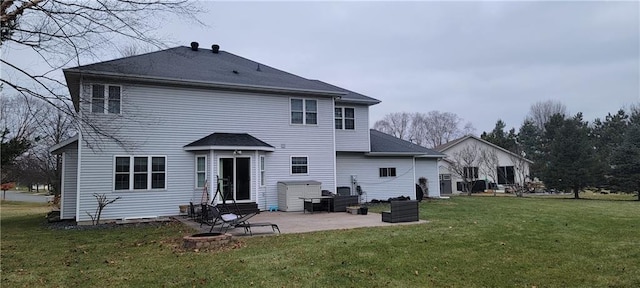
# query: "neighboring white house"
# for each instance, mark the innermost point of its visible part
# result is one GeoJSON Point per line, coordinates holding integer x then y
{"type": "Point", "coordinates": [173, 120]}
{"type": "Point", "coordinates": [505, 170]}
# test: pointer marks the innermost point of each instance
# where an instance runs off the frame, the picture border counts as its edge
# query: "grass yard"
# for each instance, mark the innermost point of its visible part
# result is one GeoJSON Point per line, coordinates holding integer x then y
{"type": "Point", "coordinates": [469, 242]}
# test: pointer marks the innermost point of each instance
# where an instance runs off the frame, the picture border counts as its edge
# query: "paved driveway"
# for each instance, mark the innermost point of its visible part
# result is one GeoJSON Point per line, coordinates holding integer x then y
{"type": "Point", "coordinates": [24, 197]}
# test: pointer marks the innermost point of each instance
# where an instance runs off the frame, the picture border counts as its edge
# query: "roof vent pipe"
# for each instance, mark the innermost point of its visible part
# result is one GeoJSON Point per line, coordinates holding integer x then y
{"type": "Point", "coordinates": [215, 48]}
{"type": "Point", "coordinates": [194, 46]}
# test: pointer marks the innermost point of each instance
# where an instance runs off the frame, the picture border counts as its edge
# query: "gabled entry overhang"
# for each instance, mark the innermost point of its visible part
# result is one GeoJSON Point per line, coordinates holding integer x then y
{"type": "Point", "coordinates": [229, 141]}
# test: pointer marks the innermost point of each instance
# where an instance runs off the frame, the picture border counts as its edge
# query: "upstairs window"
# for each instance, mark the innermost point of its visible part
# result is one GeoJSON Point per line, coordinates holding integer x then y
{"type": "Point", "coordinates": [105, 99]}
{"type": "Point", "coordinates": [345, 118]}
{"type": "Point", "coordinates": [304, 111]}
{"type": "Point", "coordinates": [388, 172]}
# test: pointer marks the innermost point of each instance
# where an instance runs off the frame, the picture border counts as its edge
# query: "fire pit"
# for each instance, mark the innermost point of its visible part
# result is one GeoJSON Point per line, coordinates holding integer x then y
{"type": "Point", "coordinates": [206, 240]}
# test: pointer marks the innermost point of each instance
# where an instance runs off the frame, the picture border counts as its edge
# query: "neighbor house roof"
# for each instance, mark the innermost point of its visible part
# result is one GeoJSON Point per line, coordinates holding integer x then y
{"type": "Point", "coordinates": [385, 144]}
{"type": "Point", "coordinates": [446, 146]}
{"type": "Point", "coordinates": [222, 70]}
{"type": "Point", "coordinates": [229, 141]}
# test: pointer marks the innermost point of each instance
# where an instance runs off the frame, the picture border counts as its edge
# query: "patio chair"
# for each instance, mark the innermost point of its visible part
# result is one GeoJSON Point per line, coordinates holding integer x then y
{"type": "Point", "coordinates": [402, 211]}
{"type": "Point", "coordinates": [227, 220]}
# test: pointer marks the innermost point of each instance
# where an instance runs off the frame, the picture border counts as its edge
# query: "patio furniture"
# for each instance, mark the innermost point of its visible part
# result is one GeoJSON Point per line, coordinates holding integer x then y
{"type": "Point", "coordinates": [402, 211]}
{"type": "Point", "coordinates": [227, 220]}
{"type": "Point", "coordinates": [339, 203]}
{"type": "Point", "coordinates": [316, 203]}
{"type": "Point", "coordinates": [247, 226]}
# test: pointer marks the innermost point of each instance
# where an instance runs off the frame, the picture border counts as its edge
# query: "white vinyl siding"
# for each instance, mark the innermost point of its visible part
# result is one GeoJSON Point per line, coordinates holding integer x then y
{"type": "Point", "coordinates": [366, 169]}
{"type": "Point", "coordinates": [182, 112]}
{"type": "Point", "coordinates": [68, 194]}
{"type": "Point", "coordinates": [356, 140]}
{"type": "Point", "coordinates": [428, 168]}
{"type": "Point", "coordinates": [201, 171]}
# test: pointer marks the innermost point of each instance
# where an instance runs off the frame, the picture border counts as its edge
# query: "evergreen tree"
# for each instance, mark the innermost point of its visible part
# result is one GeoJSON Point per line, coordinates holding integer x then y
{"type": "Point", "coordinates": [607, 136]}
{"type": "Point", "coordinates": [625, 159]}
{"type": "Point", "coordinates": [529, 140]}
{"type": "Point", "coordinates": [570, 154]}
{"type": "Point", "coordinates": [498, 137]}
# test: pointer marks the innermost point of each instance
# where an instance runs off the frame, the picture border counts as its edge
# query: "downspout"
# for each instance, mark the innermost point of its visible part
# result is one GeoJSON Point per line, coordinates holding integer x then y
{"type": "Point", "coordinates": [79, 172]}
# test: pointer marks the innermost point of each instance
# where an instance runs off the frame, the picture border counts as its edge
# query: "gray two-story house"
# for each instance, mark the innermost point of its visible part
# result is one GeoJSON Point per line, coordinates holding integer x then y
{"type": "Point", "coordinates": [159, 129]}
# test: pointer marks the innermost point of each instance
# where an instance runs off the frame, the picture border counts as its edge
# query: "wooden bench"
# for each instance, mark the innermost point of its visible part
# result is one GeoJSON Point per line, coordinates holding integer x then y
{"type": "Point", "coordinates": [402, 211]}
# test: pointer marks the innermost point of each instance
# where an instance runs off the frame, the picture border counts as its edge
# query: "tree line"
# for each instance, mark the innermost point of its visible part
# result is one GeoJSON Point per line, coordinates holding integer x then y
{"type": "Point", "coordinates": [568, 153]}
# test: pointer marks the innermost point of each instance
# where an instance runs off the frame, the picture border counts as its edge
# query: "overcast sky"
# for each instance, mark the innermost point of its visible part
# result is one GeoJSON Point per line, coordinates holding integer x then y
{"type": "Point", "coordinates": [480, 60]}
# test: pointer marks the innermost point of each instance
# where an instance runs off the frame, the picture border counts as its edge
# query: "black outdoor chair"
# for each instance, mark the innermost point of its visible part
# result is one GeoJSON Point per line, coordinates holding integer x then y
{"type": "Point", "coordinates": [227, 220]}
{"type": "Point", "coordinates": [402, 211]}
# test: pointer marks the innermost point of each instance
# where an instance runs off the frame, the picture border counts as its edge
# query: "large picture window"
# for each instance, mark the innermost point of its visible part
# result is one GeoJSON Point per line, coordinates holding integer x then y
{"type": "Point", "coordinates": [299, 165]}
{"type": "Point", "coordinates": [140, 172]}
{"type": "Point", "coordinates": [105, 99]}
{"type": "Point", "coordinates": [304, 111]}
{"type": "Point", "coordinates": [345, 118]}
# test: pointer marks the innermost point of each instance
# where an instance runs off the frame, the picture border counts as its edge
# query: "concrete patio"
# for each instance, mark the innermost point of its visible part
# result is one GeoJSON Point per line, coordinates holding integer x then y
{"type": "Point", "coordinates": [299, 222]}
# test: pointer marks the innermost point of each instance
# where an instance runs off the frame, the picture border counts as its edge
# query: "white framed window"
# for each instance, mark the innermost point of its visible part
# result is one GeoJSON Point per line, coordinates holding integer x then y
{"type": "Point", "coordinates": [388, 172]}
{"type": "Point", "coordinates": [299, 165]}
{"type": "Point", "coordinates": [304, 111]}
{"type": "Point", "coordinates": [139, 173]}
{"type": "Point", "coordinates": [106, 99]}
{"type": "Point", "coordinates": [345, 118]}
{"type": "Point", "coordinates": [262, 180]}
{"type": "Point", "coordinates": [201, 170]}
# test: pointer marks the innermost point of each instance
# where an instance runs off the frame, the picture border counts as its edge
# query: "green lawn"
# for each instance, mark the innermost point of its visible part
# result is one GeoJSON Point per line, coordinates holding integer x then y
{"type": "Point", "coordinates": [469, 241]}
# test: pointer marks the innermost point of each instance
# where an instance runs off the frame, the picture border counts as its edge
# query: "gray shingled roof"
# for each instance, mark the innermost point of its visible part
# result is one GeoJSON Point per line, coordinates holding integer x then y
{"type": "Point", "coordinates": [382, 143]}
{"type": "Point", "coordinates": [229, 140]}
{"type": "Point", "coordinates": [183, 65]}
{"type": "Point", "coordinates": [350, 97]}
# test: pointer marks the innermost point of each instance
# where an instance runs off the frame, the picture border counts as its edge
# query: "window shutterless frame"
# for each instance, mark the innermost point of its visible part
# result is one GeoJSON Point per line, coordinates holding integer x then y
{"type": "Point", "coordinates": [303, 111]}
{"type": "Point", "coordinates": [105, 99]}
{"type": "Point", "coordinates": [299, 165]}
{"type": "Point", "coordinates": [201, 171]}
{"type": "Point", "coordinates": [139, 172]}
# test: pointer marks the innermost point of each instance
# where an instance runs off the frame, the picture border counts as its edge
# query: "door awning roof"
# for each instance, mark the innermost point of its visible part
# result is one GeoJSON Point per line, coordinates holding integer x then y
{"type": "Point", "coordinates": [229, 141]}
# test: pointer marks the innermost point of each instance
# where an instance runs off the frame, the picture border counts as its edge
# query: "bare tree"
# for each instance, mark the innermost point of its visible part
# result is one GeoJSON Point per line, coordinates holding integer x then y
{"type": "Point", "coordinates": [465, 163]}
{"type": "Point", "coordinates": [429, 130]}
{"type": "Point", "coordinates": [70, 33]}
{"type": "Point", "coordinates": [488, 164]}
{"type": "Point", "coordinates": [520, 165]}
{"type": "Point", "coordinates": [541, 112]}
{"type": "Point", "coordinates": [396, 124]}
{"type": "Point", "coordinates": [42, 126]}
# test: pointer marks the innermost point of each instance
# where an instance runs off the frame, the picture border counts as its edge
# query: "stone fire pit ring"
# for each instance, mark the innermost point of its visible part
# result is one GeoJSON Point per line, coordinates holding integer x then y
{"type": "Point", "coordinates": [206, 240]}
